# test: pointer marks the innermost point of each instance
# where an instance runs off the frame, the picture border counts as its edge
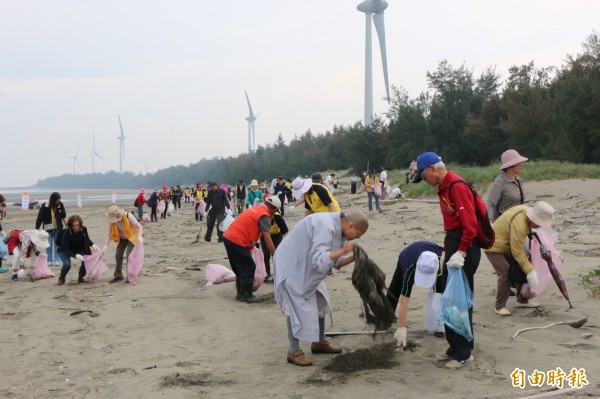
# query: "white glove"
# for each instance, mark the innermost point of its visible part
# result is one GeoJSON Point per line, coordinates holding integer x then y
{"type": "Point", "coordinates": [104, 249]}
{"type": "Point", "coordinates": [96, 248]}
{"type": "Point", "coordinates": [79, 257]}
{"type": "Point", "coordinates": [140, 240]}
{"type": "Point", "coordinates": [442, 258]}
{"type": "Point", "coordinates": [400, 336]}
{"type": "Point", "coordinates": [457, 260]}
{"type": "Point", "coordinates": [532, 279]}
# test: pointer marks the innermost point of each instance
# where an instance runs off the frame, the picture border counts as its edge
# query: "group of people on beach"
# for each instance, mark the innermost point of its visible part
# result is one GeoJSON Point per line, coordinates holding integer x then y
{"type": "Point", "coordinates": [323, 240]}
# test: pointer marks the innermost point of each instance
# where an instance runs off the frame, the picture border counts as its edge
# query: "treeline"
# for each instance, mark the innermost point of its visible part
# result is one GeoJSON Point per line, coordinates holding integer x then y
{"type": "Point", "coordinates": [550, 113]}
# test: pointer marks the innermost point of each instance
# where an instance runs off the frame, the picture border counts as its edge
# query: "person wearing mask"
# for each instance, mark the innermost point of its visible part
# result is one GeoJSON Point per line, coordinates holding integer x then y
{"type": "Point", "coordinates": [462, 250]}
{"type": "Point", "coordinates": [303, 260]}
{"type": "Point", "coordinates": [51, 217]}
{"type": "Point", "coordinates": [507, 189]}
{"type": "Point", "coordinates": [241, 237]}
{"type": "Point", "coordinates": [216, 204]}
{"type": "Point", "coordinates": [255, 194]}
{"type": "Point", "coordinates": [75, 243]}
{"type": "Point", "coordinates": [124, 229]}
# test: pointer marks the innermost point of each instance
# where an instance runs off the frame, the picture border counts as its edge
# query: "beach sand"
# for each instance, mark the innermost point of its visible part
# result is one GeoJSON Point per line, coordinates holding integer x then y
{"type": "Point", "coordinates": [169, 336]}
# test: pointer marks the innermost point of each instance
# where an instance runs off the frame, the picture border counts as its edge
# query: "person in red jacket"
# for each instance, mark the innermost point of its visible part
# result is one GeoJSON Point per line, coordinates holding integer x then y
{"type": "Point", "coordinates": [242, 236]}
{"type": "Point", "coordinates": [461, 248]}
{"type": "Point", "coordinates": [141, 200]}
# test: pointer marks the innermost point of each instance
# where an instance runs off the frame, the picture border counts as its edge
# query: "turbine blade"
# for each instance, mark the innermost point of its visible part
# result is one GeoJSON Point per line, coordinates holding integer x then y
{"type": "Point", "coordinates": [380, 27]}
{"type": "Point", "coordinates": [98, 155]}
{"type": "Point", "coordinates": [120, 125]}
{"type": "Point", "coordinates": [249, 106]}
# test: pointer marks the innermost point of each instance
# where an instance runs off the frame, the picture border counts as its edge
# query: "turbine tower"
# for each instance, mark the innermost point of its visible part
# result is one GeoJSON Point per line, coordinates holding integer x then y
{"type": "Point", "coordinates": [375, 8]}
{"type": "Point", "coordinates": [121, 139]}
{"type": "Point", "coordinates": [94, 153]}
{"type": "Point", "coordinates": [250, 118]}
{"type": "Point", "coordinates": [75, 160]}
{"type": "Point", "coordinates": [146, 165]}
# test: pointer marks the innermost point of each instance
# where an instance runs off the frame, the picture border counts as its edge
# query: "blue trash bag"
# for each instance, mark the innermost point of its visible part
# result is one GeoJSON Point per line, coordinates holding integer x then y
{"type": "Point", "coordinates": [3, 248]}
{"type": "Point", "coordinates": [455, 303]}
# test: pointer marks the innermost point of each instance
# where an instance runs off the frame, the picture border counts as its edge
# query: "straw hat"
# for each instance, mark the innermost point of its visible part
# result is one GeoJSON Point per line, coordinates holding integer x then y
{"type": "Point", "coordinates": [510, 158]}
{"type": "Point", "coordinates": [426, 270]}
{"type": "Point", "coordinates": [541, 214]}
{"type": "Point", "coordinates": [40, 238]}
{"type": "Point", "coordinates": [114, 214]}
{"type": "Point", "coordinates": [254, 183]}
{"type": "Point", "coordinates": [300, 186]}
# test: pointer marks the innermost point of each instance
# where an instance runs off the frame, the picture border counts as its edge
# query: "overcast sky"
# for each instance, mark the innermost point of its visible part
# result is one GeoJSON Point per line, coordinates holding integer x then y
{"type": "Point", "coordinates": [176, 71]}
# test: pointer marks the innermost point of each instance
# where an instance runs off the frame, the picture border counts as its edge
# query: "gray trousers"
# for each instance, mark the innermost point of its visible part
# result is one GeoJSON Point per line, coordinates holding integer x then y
{"type": "Point", "coordinates": [124, 244]}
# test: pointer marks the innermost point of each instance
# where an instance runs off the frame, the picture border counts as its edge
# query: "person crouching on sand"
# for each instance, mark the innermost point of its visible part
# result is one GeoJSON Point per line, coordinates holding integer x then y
{"type": "Point", "coordinates": [26, 244]}
{"type": "Point", "coordinates": [74, 243]}
{"type": "Point", "coordinates": [123, 228]}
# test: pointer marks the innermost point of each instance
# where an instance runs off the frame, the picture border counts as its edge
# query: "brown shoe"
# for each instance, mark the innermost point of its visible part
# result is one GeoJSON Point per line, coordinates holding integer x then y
{"type": "Point", "coordinates": [115, 280]}
{"type": "Point", "coordinates": [298, 358]}
{"type": "Point", "coordinates": [324, 347]}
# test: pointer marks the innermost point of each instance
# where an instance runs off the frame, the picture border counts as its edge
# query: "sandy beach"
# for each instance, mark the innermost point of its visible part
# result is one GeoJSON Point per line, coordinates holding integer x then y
{"type": "Point", "coordinates": [169, 336]}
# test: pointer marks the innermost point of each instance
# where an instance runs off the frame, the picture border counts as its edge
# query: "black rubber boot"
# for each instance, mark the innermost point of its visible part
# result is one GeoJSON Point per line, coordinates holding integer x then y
{"type": "Point", "coordinates": [246, 289]}
{"type": "Point", "coordinates": [238, 292]}
{"type": "Point", "coordinates": [81, 273]}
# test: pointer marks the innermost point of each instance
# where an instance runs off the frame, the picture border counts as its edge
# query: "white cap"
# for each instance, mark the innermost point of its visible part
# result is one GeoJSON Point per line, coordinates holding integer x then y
{"type": "Point", "coordinates": [426, 270]}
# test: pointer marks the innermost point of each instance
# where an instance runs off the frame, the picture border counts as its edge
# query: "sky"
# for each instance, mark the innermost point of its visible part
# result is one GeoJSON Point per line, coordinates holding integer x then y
{"type": "Point", "coordinates": [175, 71]}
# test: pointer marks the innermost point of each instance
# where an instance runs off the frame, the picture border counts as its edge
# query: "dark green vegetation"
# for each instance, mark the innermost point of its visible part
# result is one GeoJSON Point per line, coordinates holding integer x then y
{"type": "Point", "coordinates": [591, 282]}
{"type": "Point", "coordinates": [550, 113]}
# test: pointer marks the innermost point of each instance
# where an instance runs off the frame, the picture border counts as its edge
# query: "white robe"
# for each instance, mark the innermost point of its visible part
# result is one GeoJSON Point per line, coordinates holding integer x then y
{"type": "Point", "coordinates": [301, 264]}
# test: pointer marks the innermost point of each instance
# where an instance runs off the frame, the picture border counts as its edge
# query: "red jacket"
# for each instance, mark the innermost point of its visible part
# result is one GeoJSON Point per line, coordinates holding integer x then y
{"type": "Point", "coordinates": [141, 199]}
{"type": "Point", "coordinates": [458, 210]}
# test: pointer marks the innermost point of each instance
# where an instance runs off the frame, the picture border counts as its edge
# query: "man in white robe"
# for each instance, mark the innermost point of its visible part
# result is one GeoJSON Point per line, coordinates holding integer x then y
{"type": "Point", "coordinates": [302, 261]}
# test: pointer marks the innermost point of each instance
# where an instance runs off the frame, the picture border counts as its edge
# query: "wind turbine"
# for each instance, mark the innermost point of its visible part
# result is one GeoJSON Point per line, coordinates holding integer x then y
{"type": "Point", "coordinates": [146, 165]}
{"type": "Point", "coordinates": [94, 153]}
{"type": "Point", "coordinates": [250, 118]}
{"type": "Point", "coordinates": [375, 8]}
{"type": "Point", "coordinates": [75, 160]}
{"type": "Point", "coordinates": [121, 139]}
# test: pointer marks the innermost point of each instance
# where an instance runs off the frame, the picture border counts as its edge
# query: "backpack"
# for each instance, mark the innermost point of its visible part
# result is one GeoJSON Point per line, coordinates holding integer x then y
{"type": "Point", "coordinates": [135, 203]}
{"type": "Point", "coordinates": [150, 202]}
{"type": "Point", "coordinates": [486, 236]}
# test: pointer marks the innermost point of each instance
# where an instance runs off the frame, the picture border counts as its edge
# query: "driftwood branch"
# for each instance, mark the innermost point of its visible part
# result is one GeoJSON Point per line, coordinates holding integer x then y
{"type": "Point", "coordinates": [338, 333]}
{"type": "Point", "coordinates": [574, 324]}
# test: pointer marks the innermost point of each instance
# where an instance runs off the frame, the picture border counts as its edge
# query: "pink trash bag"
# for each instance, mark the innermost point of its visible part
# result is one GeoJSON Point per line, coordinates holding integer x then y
{"type": "Point", "coordinates": [160, 208]}
{"type": "Point", "coordinates": [94, 266]}
{"type": "Point", "coordinates": [261, 272]}
{"type": "Point", "coordinates": [41, 268]}
{"type": "Point", "coordinates": [549, 238]}
{"type": "Point", "coordinates": [145, 217]}
{"type": "Point", "coordinates": [218, 274]}
{"type": "Point", "coordinates": [135, 262]}
{"type": "Point", "coordinates": [377, 190]}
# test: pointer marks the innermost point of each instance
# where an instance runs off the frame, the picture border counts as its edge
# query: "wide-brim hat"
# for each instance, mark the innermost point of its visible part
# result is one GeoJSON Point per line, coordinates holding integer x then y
{"type": "Point", "coordinates": [511, 158]}
{"type": "Point", "coordinates": [300, 186]}
{"type": "Point", "coordinates": [114, 214]}
{"type": "Point", "coordinates": [142, 190]}
{"type": "Point", "coordinates": [39, 238]}
{"type": "Point", "coordinates": [424, 160]}
{"type": "Point", "coordinates": [426, 270]}
{"type": "Point", "coordinates": [541, 214]}
{"type": "Point", "coordinates": [253, 183]}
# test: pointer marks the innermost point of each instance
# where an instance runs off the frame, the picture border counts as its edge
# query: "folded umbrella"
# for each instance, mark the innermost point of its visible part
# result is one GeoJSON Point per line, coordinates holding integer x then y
{"type": "Point", "coordinates": [558, 278]}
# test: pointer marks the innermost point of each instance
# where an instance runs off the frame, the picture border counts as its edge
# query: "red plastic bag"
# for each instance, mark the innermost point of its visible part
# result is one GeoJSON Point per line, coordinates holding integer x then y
{"type": "Point", "coordinates": [41, 268]}
{"type": "Point", "coordinates": [135, 262]}
{"type": "Point", "coordinates": [94, 266]}
{"type": "Point", "coordinates": [218, 274]}
{"type": "Point", "coordinates": [261, 272]}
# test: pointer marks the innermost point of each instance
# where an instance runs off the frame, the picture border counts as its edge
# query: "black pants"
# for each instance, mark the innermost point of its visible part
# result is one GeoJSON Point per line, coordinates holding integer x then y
{"type": "Point", "coordinates": [211, 219]}
{"type": "Point", "coordinates": [353, 187]}
{"type": "Point", "coordinates": [460, 349]}
{"type": "Point", "coordinates": [176, 203]}
{"type": "Point", "coordinates": [282, 200]}
{"type": "Point", "coordinates": [240, 260]}
{"type": "Point", "coordinates": [153, 217]}
{"type": "Point", "coordinates": [163, 215]}
{"type": "Point", "coordinates": [276, 238]}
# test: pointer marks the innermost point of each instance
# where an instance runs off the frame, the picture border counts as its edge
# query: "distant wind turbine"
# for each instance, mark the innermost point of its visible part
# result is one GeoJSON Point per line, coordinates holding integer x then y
{"type": "Point", "coordinates": [94, 153]}
{"type": "Point", "coordinates": [75, 160]}
{"type": "Point", "coordinates": [121, 139]}
{"type": "Point", "coordinates": [375, 8]}
{"type": "Point", "coordinates": [146, 165]}
{"type": "Point", "coordinates": [251, 134]}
